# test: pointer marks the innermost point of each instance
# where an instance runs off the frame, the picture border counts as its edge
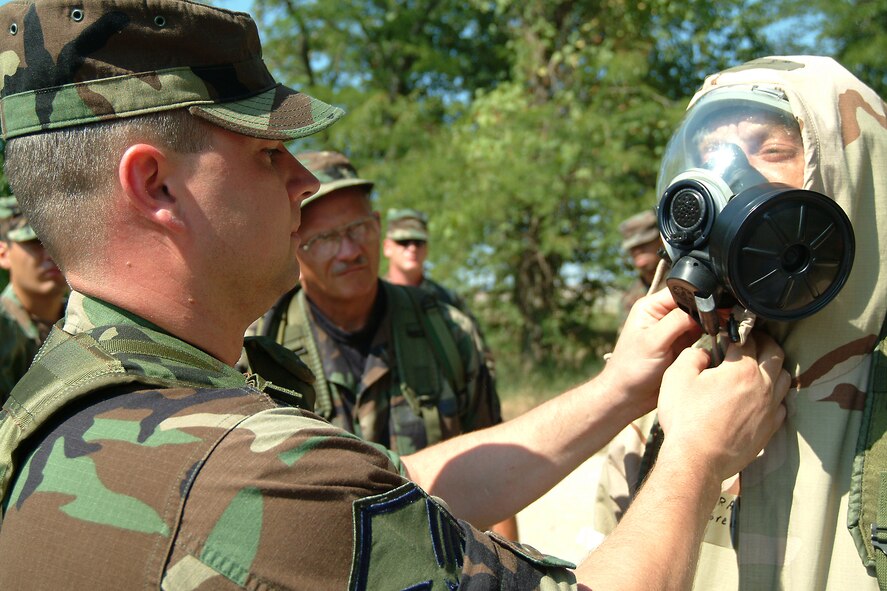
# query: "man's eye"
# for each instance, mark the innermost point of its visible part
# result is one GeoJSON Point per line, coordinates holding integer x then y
{"type": "Point", "coordinates": [778, 152]}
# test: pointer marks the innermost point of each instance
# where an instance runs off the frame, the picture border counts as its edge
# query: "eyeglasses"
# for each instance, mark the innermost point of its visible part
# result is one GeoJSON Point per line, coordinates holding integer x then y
{"type": "Point", "coordinates": [409, 243]}
{"type": "Point", "coordinates": [327, 244]}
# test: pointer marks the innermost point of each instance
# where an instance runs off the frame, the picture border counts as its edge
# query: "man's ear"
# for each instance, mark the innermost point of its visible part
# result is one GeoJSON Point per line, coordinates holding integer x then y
{"type": "Point", "coordinates": [5, 263]}
{"type": "Point", "coordinates": [144, 173]}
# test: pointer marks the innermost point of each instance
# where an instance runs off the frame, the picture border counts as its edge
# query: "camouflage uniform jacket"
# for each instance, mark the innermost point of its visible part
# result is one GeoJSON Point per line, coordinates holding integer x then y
{"type": "Point", "coordinates": [790, 531]}
{"type": "Point", "coordinates": [159, 466]}
{"type": "Point", "coordinates": [376, 405]}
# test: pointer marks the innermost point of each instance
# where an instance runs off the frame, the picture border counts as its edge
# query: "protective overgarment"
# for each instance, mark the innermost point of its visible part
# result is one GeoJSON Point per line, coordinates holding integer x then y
{"type": "Point", "coordinates": [790, 531]}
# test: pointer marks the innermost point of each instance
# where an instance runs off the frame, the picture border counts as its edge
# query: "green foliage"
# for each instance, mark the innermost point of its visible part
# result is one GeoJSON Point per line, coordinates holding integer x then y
{"type": "Point", "coordinates": [527, 129]}
{"type": "Point", "coordinates": [530, 183]}
{"type": "Point", "coordinates": [695, 38]}
{"type": "Point", "coordinates": [854, 32]}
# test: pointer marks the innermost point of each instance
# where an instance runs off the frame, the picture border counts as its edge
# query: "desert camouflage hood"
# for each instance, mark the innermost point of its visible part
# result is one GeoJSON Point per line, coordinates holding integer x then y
{"type": "Point", "coordinates": [792, 526]}
{"type": "Point", "coordinates": [844, 131]}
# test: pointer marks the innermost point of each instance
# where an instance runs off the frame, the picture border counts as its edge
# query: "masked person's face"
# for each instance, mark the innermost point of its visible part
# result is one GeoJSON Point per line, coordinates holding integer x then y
{"type": "Point", "coordinates": [772, 147]}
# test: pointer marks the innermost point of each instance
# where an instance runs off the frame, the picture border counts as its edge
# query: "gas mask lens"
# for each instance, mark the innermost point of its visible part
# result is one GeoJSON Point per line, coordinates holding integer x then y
{"type": "Point", "coordinates": [735, 223]}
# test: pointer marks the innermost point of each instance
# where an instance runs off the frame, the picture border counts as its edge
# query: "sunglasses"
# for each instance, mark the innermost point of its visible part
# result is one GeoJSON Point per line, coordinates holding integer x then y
{"type": "Point", "coordinates": [411, 242]}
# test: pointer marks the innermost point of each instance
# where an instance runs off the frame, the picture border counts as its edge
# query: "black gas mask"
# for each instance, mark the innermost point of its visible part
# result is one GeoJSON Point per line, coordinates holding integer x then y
{"type": "Point", "coordinates": [734, 237]}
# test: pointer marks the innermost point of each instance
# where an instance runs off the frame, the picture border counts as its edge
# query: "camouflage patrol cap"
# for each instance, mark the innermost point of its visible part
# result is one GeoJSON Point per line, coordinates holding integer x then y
{"type": "Point", "coordinates": [639, 229]}
{"type": "Point", "coordinates": [13, 223]}
{"type": "Point", "coordinates": [71, 62]}
{"type": "Point", "coordinates": [333, 170]}
{"type": "Point", "coordinates": [407, 224]}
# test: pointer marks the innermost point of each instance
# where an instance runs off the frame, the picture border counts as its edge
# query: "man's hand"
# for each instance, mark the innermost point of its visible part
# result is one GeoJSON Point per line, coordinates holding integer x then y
{"type": "Point", "coordinates": [715, 422]}
{"type": "Point", "coordinates": [654, 334]}
{"type": "Point", "coordinates": [722, 417]}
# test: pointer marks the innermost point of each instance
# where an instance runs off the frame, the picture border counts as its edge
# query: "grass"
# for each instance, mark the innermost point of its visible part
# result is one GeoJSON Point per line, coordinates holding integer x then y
{"type": "Point", "coordinates": [522, 389]}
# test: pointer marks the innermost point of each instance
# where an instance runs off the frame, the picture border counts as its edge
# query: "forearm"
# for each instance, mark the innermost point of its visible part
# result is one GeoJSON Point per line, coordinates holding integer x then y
{"type": "Point", "coordinates": [488, 475]}
{"type": "Point", "coordinates": [661, 532]}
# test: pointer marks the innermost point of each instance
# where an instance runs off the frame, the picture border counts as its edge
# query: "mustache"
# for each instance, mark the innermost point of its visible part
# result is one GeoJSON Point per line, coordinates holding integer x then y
{"type": "Point", "coordinates": [344, 266]}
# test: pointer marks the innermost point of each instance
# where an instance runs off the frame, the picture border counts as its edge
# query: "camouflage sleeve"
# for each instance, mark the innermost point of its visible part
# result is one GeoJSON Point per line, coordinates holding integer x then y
{"type": "Point", "coordinates": [619, 473]}
{"type": "Point", "coordinates": [287, 501]}
{"type": "Point", "coordinates": [480, 407]}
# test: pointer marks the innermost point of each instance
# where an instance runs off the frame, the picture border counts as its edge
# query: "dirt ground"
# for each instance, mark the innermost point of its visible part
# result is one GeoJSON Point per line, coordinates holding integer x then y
{"type": "Point", "coordinates": [560, 523]}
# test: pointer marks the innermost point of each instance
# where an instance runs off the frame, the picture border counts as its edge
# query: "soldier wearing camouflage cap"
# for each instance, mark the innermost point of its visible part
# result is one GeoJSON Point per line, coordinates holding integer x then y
{"type": "Point", "coordinates": [35, 295]}
{"type": "Point", "coordinates": [144, 143]}
{"type": "Point", "coordinates": [406, 248]}
{"type": "Point", "coordinates": [807, 514]}
{"type": "Point", "coordinates": [377, 342]}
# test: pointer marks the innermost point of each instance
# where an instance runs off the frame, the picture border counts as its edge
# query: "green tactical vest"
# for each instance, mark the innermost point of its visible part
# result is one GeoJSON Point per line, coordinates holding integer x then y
{"type": "Point", "coordinates": [70, 367]}
{"type": "Point", "coordinates": [429, 370]}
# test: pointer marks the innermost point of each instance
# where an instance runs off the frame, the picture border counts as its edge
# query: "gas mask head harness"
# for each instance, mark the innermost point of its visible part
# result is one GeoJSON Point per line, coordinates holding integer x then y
{"type": "Point", "coordinates": [735, 236]}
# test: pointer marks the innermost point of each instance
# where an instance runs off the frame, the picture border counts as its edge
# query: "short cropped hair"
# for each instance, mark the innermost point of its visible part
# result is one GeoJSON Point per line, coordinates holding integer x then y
{"type": "Point", "coordinates": [61, 178]}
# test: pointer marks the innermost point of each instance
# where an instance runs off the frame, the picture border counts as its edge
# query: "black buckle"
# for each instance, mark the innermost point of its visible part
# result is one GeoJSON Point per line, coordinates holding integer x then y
{"type": "Point", "coordinates": [879, 538]}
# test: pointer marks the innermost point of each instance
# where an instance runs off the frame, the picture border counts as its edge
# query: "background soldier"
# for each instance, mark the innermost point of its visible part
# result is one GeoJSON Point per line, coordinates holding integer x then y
{"type": "Point", "coordinates": [641, 242]}
{"type": "Point", "coordinates": [394, 365]}
{"type": "Point", "coordinates": [35, 295]}
{"type": "Point", "coordinates": [406, 248]}
{"type": "Point", "coordinates": [133, 455]}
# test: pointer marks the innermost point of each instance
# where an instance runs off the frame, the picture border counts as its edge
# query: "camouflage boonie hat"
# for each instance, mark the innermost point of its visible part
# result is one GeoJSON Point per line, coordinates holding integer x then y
{"type": "Point", "coordinates": [14, 224]}
{"type": "Point", "coordinates": [407, 224]}
{"type": "Point", "coordinates": [639, 229]}
{"type": "Point", "coordinates": [66, 63]}
{"type": "Point", "coordinates": [333, 170]}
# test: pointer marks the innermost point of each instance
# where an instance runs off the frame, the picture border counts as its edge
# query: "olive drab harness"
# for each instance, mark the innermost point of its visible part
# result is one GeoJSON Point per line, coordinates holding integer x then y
{"type": "Point", "coordinates": [70, 367]}
{"type": "Point", "coordinates": [429, 370]}
{"type": "Point", "coordinates": [867, 510]}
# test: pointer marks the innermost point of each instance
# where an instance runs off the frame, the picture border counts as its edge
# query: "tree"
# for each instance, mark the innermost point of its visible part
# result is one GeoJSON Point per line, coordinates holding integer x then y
{"type": "Point", "coordinates": [526, 128]}
{"type": "Point", "coordinates": [396, 66]}
{"type": "Point", "coordinates": [535, 176]}
{"type": "Point", "coordinates": [854, 32]}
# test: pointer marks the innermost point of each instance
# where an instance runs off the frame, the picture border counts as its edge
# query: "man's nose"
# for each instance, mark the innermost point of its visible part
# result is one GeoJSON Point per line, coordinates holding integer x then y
{"type": "Point", "coordinates": [348, 247]}
{"type": "Point", "coordinates": [303, 183]}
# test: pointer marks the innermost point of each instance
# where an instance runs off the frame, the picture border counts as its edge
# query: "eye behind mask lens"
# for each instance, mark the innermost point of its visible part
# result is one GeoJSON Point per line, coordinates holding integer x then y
{"type": "Point", "coordinates": [783, 252]}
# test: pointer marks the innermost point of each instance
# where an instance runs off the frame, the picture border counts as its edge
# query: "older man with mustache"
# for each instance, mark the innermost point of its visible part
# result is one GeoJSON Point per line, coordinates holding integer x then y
{"type": "Point", "coordinates": [394, 365]}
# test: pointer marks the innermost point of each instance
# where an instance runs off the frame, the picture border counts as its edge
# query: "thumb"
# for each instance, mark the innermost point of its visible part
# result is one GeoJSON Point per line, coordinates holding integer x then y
{"type": "Point", "coordinates": [672, 326]}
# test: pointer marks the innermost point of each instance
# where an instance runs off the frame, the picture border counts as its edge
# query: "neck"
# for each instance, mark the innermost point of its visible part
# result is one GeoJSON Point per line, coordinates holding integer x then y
{"type": "Point", "coordinates": [400, 277]}
{"type": "Point", "coordinates": [178, 306]}
{"type": "Point", "coordinates": [349, 315]}
{"type": "Point", "coordinates": [45, 307]}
